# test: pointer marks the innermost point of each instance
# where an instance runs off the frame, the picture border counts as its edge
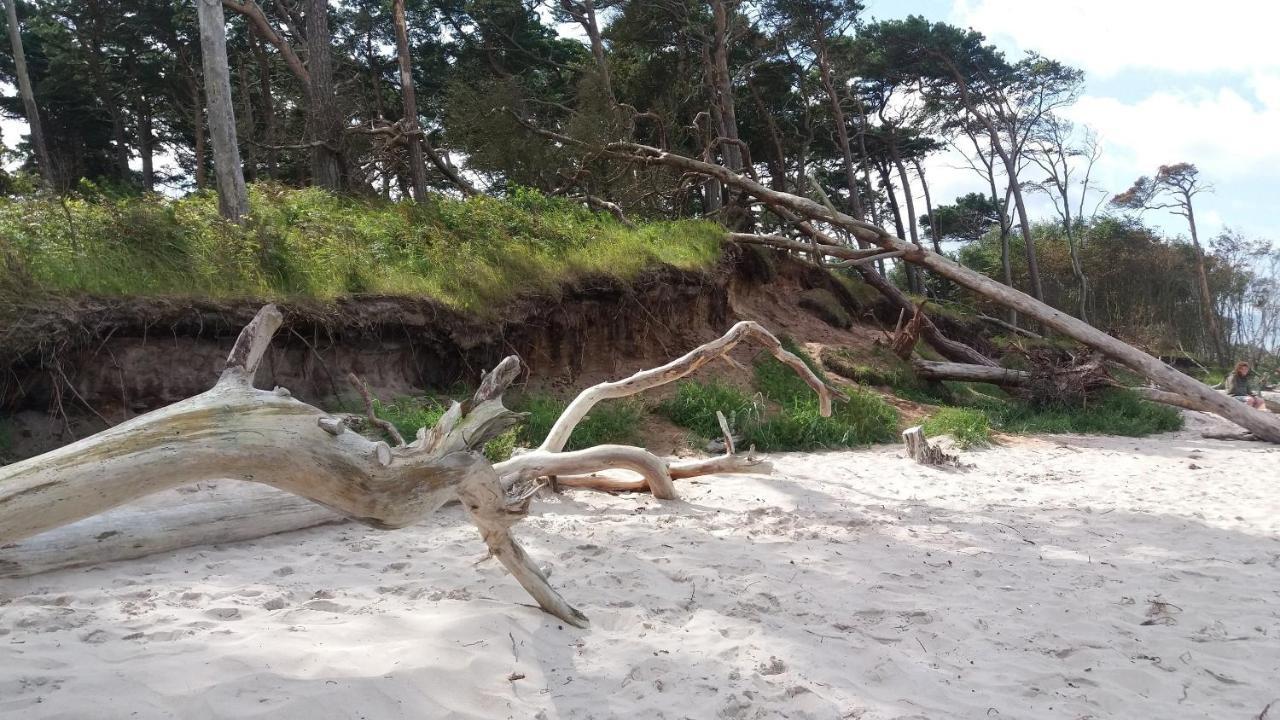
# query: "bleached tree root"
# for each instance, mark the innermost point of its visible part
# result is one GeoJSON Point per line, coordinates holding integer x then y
{"type": "Point", "coordinates": [578, 468]}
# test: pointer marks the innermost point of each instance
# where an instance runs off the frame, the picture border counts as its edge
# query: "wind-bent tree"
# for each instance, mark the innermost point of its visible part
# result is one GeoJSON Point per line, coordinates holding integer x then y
{"type": "Point", "coordinates": [1174, 188]}
{"type": "Point", "coordinates": [233, 198]}
{"type": "Point", "coordinates": [43, 163]}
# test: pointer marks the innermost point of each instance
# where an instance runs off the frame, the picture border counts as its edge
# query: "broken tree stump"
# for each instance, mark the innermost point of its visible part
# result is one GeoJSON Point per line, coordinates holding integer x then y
{"type": "Point", "coordinates": [919, 449]}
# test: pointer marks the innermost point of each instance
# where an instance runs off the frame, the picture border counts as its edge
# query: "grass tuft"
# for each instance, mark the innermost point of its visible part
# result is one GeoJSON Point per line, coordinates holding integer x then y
{"type": "Point", "coordinates": [969, 427]}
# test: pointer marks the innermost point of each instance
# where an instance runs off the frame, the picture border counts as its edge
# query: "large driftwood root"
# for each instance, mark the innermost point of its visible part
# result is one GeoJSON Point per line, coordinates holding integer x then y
{"type": "Point", "coordinates": [235, 431]}
{"type": "Point", "coordinates": [656, 474]}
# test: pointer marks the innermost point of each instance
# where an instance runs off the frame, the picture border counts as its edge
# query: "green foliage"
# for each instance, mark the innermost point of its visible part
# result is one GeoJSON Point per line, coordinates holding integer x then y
{"type": "Point", "coordinates": [695, 404]}
{"type": "Point", "coordinates": [797, 423]}
{"type": "Point", "coordinates": [609, 423]}
{"type": "Point", "coordinates": [968, 426]}
{"type": "Point", "coordinates": [470, 254]}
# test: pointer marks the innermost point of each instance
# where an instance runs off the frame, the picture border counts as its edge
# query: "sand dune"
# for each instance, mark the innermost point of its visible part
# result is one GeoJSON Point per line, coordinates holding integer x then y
{"type": "Point", "coordinates": [1059, 577]}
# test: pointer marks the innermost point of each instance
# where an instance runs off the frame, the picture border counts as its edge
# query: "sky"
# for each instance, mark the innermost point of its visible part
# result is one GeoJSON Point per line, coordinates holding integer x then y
{"type": "Point", "coordinates": [1166, 81]}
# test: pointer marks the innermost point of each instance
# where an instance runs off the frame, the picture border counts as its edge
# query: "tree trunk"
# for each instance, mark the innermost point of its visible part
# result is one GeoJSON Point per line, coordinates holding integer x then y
{"type": "Point", "coordinates": [268, 111]}
{"type": "Point", "coordinates": [324, 122]}
{"type": "Point", "coordinates": [413, 132]}
{"type": "Point", "coordinates": [233, 199]}
{"type": "Point", "coordinates": [722, 82]}
{"type": "Point", "coordinates": [1024, 222]}
{"type": "Point", "coordinates": [1206, 297]}
{"type": "Point", "coordinates": [202, 180]}
{"type": "Point", "coordinates": [928, 207]}
{"type": "Point", "coordinates": [842, 130]}
{"type": "Point", "coordinates": [146, 144]}
{"type": "Point", "coordinates": [36, 128]}
{"type": "Point", "coordinates": [247, 122]}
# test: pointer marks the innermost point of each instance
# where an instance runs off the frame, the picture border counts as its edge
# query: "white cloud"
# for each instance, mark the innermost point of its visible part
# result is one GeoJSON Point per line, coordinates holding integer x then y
{"type": "Point", "coordinates": [1107, 36]}
{"type": "Point", "coordinates": [1228, 135]}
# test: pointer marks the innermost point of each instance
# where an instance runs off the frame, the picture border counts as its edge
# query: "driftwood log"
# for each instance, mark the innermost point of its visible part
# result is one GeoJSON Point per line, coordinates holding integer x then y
{"type": "Point", "coordinates": [237, 432]}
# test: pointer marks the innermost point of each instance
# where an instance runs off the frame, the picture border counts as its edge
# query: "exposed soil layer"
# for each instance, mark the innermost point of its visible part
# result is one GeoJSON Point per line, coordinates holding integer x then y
{"type": "Point", "coordinates": [72, 365]}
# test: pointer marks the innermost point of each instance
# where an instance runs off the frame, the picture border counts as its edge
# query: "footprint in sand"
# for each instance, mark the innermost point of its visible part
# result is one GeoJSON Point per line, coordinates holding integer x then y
{"type": "Point", "coordinates": [326, 606]}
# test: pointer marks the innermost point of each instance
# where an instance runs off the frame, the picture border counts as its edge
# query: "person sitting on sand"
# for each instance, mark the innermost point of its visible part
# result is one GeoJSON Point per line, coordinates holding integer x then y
{"type": "Point", "coordinates": [1240, 386]}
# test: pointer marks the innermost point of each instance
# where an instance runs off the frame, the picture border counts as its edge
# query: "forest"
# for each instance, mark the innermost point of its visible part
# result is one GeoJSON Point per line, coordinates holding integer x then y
{"type": "Point", "coordinates": [383, 102]}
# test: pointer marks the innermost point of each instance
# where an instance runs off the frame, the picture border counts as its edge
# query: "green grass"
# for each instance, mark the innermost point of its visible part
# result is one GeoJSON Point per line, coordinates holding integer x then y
{"type": "Point", "coordinates": [1114, 412]}
{"type": "Point", "coordinates": [797, 424]}
{"type": "Point", "coordinates": [612, 422]}
{"type": "Point", "coordinates": [470, 254]}
{"type": "Point", "coordinates": [968, 426]}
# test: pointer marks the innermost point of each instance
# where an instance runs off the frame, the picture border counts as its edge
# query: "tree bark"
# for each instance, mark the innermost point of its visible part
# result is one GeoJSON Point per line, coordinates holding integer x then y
{"type": "Point", "coordinates": [722, 82]}
{"type": "Point", "coordinates": [842, 130]}
{"type": "Point", "coordinates": [928, 207]}
{"type": "Point", "coordinates": [413, 133]}
{"type": "Point", "coordinates": [268, 106]}
{"type": "Point", "coordinates": [146, 144]}
{"type": "Point", "coordinates": [324, 121]}
{"type": "Point", "coordinates": [36, 127]}
{"type": "Point", "coordinates": [233, 199]}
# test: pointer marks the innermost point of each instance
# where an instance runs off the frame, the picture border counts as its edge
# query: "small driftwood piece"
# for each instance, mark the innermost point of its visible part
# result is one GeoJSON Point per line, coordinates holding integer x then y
{"type": "Point", "coordinates": [919, 449]}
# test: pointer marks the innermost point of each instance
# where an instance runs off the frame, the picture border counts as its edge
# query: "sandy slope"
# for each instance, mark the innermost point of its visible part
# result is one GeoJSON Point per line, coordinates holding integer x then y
{"type": "Point", "coordinates": [1060, 577]}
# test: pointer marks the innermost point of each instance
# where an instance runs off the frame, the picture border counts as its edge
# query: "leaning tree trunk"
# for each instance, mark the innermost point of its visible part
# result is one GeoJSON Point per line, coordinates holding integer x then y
{"type": "Point", "coordinates": [1260, 424]}
{"type": "Point", "coordinates": [324, 123]}
{"type": "Point", "coordinates": [233, 199]}
{"type": "Point", "coordinates": [28, 96]}
{"type": "Point", "coordinates": [236, 432]}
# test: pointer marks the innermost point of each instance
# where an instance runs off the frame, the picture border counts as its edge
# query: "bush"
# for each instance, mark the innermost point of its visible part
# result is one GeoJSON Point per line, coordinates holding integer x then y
{"type": "Point", "coordinates": [967, 426]}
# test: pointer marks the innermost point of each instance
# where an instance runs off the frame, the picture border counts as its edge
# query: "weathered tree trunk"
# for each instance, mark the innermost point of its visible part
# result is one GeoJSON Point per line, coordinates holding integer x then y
{"type": "Point", "coordinates": [32, 111]}
{"type": "Point", "coordinates": [233, 199]}
{"type": "Point", "coordinates": [963, 372]}
{"type": "Point", "coordinates": [198, 149]}
{"type": "Point", "coordinates": [412, 131]}
{"type": "Point", "coordinates": [1261, 424]}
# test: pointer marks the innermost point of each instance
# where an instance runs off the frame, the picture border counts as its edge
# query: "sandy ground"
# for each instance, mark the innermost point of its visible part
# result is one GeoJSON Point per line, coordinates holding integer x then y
{"type": "Point", "coordinates": [1059, 577]}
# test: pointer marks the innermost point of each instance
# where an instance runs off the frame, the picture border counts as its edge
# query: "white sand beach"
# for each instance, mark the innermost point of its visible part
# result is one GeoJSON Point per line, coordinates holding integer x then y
{"type": "Point", "coordinates": [1058, 577]}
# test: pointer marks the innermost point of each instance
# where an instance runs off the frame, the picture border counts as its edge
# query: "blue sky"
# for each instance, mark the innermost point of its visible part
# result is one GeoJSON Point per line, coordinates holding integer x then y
{"type": "Point", "coordinates": [1166, 81]}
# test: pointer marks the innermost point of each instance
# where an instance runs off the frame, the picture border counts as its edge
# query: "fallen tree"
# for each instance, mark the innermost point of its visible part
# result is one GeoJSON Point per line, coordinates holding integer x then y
{"type": "Point", "coordinates": [1261, 424]}
{"type": "Point", "coordinates": [237, 432]}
